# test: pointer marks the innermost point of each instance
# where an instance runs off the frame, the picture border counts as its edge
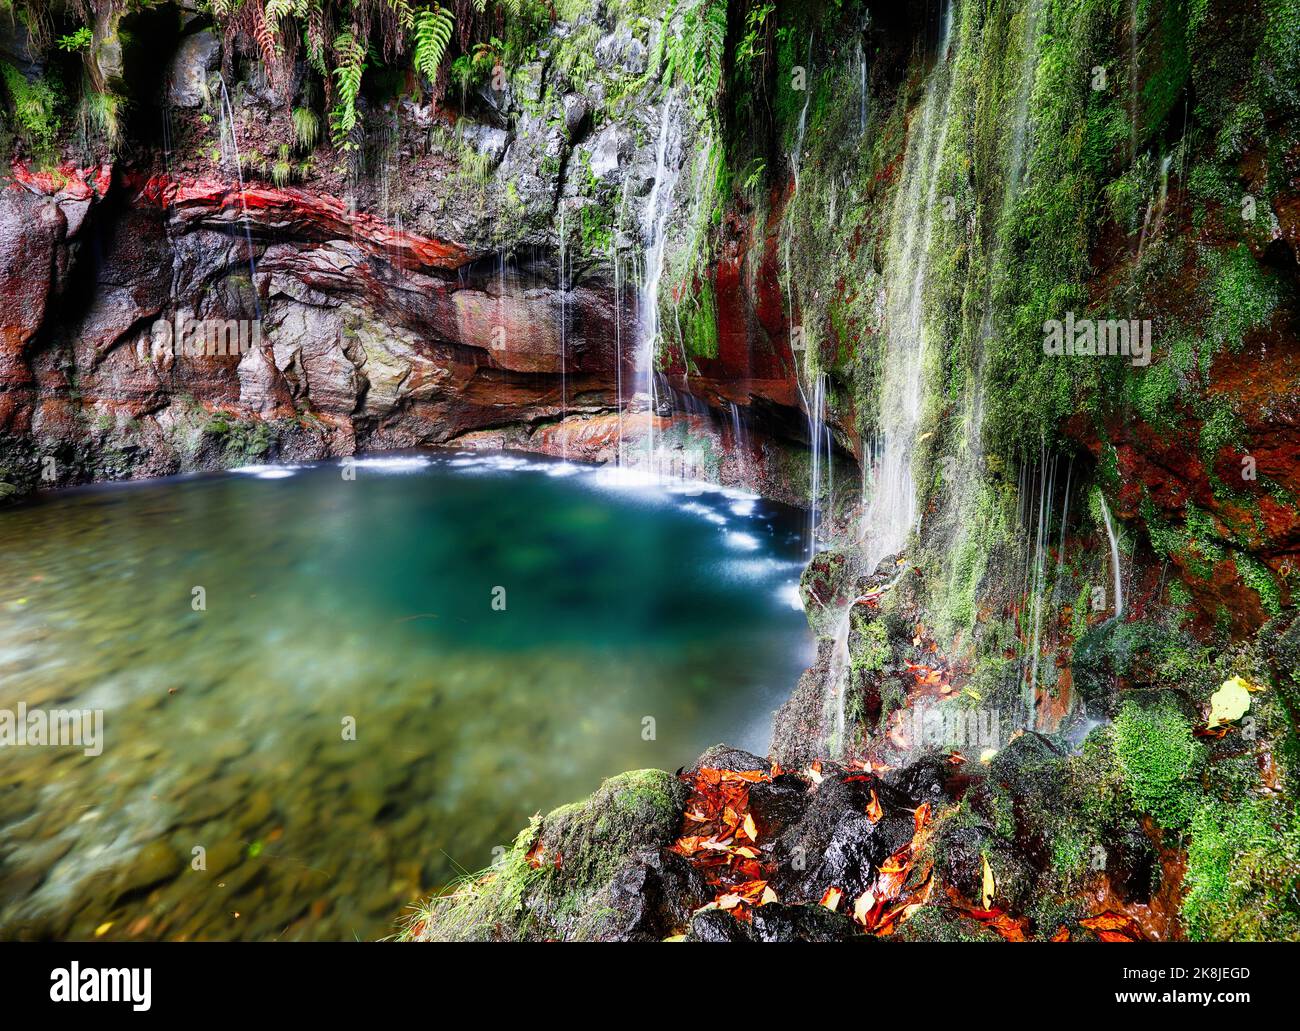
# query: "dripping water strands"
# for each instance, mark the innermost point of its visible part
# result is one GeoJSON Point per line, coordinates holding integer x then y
{"type": "Point", "coordinates": [1116, 572]}
{"type": "Point", "coordinates": [892, 509]}
{"type": "Point", "coordinates": [562, 286]}
{"type": "Point", "coordinates": [658, 208]}
{"type": "Point", "coordinates": [1153, 220]}
{"type": "Point", "coordinates": [1037, 518]}
{"type": "Point", "coordinates": [817, 435]}
{"type": "Point", "coordinates": [1021, 140]}
{"type": "Point", "coordinates": [232, 157]}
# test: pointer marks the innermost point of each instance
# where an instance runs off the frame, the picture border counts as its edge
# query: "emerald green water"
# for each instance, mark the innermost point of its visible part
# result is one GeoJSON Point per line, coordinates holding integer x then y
{"type": "Point", "coordinates": [368, 603]}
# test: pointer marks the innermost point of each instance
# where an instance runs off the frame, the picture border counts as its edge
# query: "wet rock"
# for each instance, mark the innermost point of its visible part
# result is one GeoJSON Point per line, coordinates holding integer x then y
{"type": "Point", "coordinates": [836, 844]}
{"type": "Point", "coordinates": [604, 154]}
{"type": "Point", "coordinates": [799, 730]}
{"type": "Point", "coordinates": [577, 117]}
{"type": "Point", "coordinates": [778, 804]}
{"type": "Point", "coordinates": [486, 140]}
{"type": "Point", "coordinates": [196, 59]}
{"type": "Point", "coordinates": [651, 898]}
{"type": "Point", "coordinates": [777, 922]}
{"type": "Point", "coordinates": [724, 757]}
{"type": "Point", "coordinates": [158, 861]}
{"type": "Point", "coordinates": [714, 925]}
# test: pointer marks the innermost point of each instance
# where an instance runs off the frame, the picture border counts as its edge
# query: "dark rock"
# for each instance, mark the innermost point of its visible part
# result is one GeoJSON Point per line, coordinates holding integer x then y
{"type": "Point", "coordinates": [653, 897]}
{"type": "Point", "coordinates": [836, 844]}
{"type": "Point", "coordinates": [777, 922]}
{"type": "Point", "coordinates": [196, 58]}
{"type": "Point", "coordinates": [778, 804]}
{"type": "Point", "coordinates": [715, 925]}
{"type": "Point", "coordinates": [724, 757]}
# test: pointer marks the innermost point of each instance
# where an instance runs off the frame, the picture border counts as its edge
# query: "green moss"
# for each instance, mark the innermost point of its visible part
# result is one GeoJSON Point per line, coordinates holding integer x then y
{"type": "Point", "coordinates": [581, 847]}
{"type": "Point", "coordinates": [1259, 579]}
{"type": "Point", "coordinates": [1159, 759]}
{"type": "Point", "coordinates": [1243, 867]}
{"type": "Point", "coordinates": [873, 649]}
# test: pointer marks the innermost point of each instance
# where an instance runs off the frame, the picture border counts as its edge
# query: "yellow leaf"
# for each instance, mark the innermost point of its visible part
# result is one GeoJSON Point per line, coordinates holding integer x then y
{"type": "Point", "coordinates": [990, 889]}
{"type": "Point", "coordinates": [1230, 702]}
{"type": "Point", "coordinates": [103, 929]}
{"type": "Point", "coordinates": [675, 938]}
{"type": "Point", "coordinates": [768, 896]}
{"type": "Point", "coordinates": [831, 900]}
{"type": "Point", "coordinates": [750, 829]}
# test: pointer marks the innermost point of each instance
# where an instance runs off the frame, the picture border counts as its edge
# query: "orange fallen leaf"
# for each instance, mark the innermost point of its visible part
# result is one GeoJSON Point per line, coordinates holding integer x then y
{"type": "Point", "coordinates": [874, 811]}
{"type": "Point", "coordinates": [831, 900]}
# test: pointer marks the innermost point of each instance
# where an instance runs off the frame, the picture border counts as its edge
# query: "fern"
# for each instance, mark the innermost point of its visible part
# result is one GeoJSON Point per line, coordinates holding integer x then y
{"type": "Point", "coordinates": [432, 35]}
{"type": "Point", "coordinates": [347, 77]}
{"type": "Point", "coordinates": [405, 17]}
{"type": "Point", "coordinates": [278, 9]}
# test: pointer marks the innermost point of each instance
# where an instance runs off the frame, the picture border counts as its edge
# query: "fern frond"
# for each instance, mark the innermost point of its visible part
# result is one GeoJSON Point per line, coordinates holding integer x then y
{"type": "Point", "coordinates": [432, 35]}
{"type": "Point", "coordinates": [347, 76]}
{"type": "Point", "coordinates": [405, 16]}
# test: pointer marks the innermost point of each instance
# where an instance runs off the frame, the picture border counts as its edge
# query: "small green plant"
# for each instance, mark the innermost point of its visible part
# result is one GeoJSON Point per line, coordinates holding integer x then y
{"type": "Point", "coordinates": [35, 106]}
{"type": "Point", "coordinates": [100, 114]}
{"type": "Point", "coordinates": [79, 40]}
{"type": "Point", "coordinates": [1159, 758]}
{"type": "Point", "coordinates": [282, 170]}
{"type": "Point", "coordinates": [306, 128]}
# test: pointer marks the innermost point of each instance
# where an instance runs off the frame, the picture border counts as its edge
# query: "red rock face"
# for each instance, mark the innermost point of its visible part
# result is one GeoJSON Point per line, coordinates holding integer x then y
{"type": "Point", "coordinates": [755, 360]}
{"type": "Point", "coordinates": [369, 337]}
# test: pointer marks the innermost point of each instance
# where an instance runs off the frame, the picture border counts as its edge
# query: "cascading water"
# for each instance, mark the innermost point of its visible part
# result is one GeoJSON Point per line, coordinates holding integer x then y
{"type": "Point", "coordinates": [891, 510]}
{"type": "Point", "coordinates": [817, 435]}
{"type": "Point", "coordinates": [1114, 556]}
{"type": "Point", "coordinates": [562, 287]}
{"type": "Point", "coordinates": [233, 157]}
{"type": "Point", "coordinates": [658, 208]}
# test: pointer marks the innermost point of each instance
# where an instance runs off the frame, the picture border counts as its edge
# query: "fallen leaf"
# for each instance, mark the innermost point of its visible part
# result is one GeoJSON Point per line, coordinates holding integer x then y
{"type": "Point", "coordinates": [831, 900]}
{"type": "Point", "coordinates": [874, 811]}
{"type": "Point", "coordinates": [990, 888]}
{"type": "Point", "coordinates": [1229, 703]}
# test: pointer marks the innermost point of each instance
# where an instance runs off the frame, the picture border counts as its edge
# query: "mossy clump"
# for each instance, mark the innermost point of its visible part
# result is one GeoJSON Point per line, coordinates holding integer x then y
{"type": "Point", "coordinates": [1159, 759]}
{"type": "Point", "coordinates": [555, 880]}
{"type": "Point", "coordinates": [1243, 873]}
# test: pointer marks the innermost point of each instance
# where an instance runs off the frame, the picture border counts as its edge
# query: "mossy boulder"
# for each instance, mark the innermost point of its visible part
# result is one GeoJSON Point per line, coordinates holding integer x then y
{"type": "Point", "coordinates": [591, 870]}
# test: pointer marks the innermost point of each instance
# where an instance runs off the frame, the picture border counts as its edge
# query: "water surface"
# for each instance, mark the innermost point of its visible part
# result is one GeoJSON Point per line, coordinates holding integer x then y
{"type": "Point", "coordinates": [386, 678]}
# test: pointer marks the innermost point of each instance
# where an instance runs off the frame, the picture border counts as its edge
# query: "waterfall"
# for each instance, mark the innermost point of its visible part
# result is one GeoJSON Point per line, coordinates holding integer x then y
{"type": "Point", "coordinates": [658, 208]}
{"type": "Point", "coordinates": [891, 512]}
{"type": "Point", "coordinates": [1037, 574]}
{"type": "Point", "coordinates": [563, 287]}
{"type": "Point", "coordinates": [228, 130]}
{"type": "Point", "coordinates": [1114, 556]}
{"type": "Point", "coordinates": [816, 433]}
